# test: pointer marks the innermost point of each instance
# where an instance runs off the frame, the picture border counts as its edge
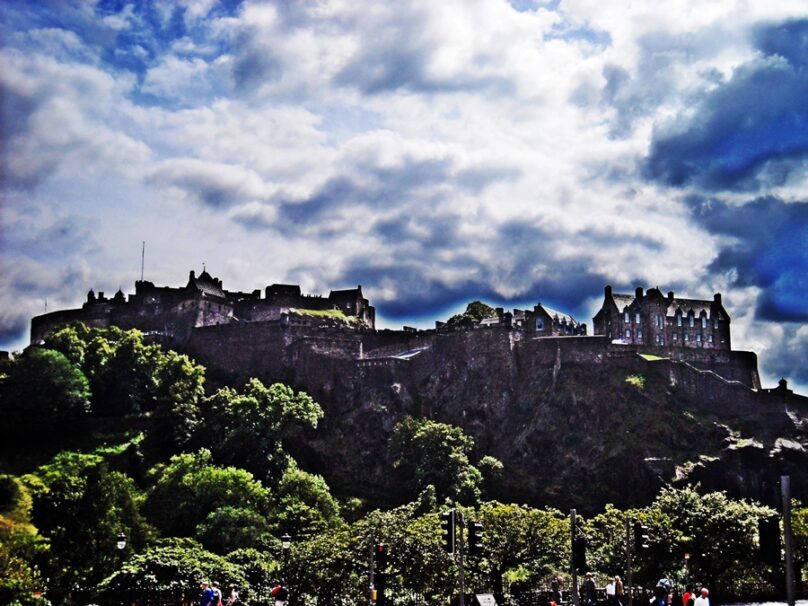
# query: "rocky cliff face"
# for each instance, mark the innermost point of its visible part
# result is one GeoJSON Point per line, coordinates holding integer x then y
{"type": "Point", "coordinates": [576, 423]}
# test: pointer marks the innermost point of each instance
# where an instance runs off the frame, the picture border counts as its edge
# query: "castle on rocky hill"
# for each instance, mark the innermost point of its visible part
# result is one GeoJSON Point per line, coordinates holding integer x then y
{"type": "Point", "coordinates": [263, 334]}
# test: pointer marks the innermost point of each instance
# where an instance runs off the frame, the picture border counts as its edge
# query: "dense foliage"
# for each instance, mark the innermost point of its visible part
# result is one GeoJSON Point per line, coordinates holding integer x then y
{"type": "Point", "coordinates": [202, 486]}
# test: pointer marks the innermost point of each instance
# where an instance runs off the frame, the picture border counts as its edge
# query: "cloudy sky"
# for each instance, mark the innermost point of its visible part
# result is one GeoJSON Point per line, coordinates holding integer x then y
{"type": "Point", "coordinates": [435, 152]}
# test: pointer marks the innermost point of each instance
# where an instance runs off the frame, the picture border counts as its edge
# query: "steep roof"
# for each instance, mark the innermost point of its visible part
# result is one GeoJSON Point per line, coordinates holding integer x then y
{"type": "Point", "coordinates": [686, 305]}
{"type": "Point", "coordinates": [207, 284]}
{"type": "Point", "coordinates": [622, 301]}
{"type": "Point", "coordinates": [560, 315]}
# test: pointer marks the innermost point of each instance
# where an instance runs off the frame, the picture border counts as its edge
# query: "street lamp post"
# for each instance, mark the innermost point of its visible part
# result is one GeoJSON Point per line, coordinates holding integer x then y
{"type": "Point", "coordinates": [687, 570]}
{"type": "Point", "coordinates": [286, 543]}
{"type": "Point", "coordinates": [121, 544]}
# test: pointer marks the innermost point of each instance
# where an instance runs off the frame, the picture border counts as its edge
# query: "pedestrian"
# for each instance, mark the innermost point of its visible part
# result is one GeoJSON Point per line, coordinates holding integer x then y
{"type": "Point", "coordinates": [661, 593]}
{"type": "Point", "coordinates": [232, 599]}
{"type": "Point", "coordinates": [619, 591]}
{"type": "Point", "coordinates": [217, 594]}
{"type": "Point", "coordinates": [588, 591]}
{"type": "Point", "coordinates": [279, 592]}
{"type": "Point", "coordinates": [555, 590]}
{"type": "Point", "coordinates": [611, 597]}
{"type": "Point", "coordinates": [207, 594]}
{"type": "Point", "coordinates": [703, 599]}
{"type": "Point", "coordinates": [688, 597]}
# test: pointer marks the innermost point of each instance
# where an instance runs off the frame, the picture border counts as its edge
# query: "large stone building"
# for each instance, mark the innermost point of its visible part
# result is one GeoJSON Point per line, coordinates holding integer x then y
{"type": "Point", "coordinates": [174, 312]}
{"type": "Point", "coordinates": [653, 319]}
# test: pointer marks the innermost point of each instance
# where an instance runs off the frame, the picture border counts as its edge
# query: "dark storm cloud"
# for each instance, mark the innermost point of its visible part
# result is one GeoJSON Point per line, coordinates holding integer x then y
{"type": "Point", "coordinates": [770, 251]}
{"type": "Point", "coordinates": [516, 250]}
{"type": "Point", "coordinates": [750, 132]}
{"type": "Point", "coordinates": [386, 188]}
{"type": "Point", "coordinates": [788, 358]}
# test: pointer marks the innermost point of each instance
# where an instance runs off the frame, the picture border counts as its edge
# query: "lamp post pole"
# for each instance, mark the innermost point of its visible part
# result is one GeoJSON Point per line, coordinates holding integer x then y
{"type": "Point", "coordinates": [286, 543]}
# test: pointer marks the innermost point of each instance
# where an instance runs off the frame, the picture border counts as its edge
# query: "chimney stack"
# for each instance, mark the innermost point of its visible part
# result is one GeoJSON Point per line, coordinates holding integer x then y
{"type": "Point", "coordinates": [638, 293]}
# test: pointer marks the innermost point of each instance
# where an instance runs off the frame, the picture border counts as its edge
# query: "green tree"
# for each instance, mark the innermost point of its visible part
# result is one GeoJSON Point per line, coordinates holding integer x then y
{"type": "Point", "coordinates": [229, 528]}
{"type": "Point", "coordinates": [335, 563]}
{"type": "Point", "coordinates": [476, 311]}
{"type": "Point", "coordinates": [720, 534]}
{"type": "Point", "coordinates": [41, 392]}
{"type": "Point", "coordinates": [172, 571]}
{"type": "Point", "coordinates": [81, 507]}
{"type": "Point", "coordinates": [179, 388]}
{"type": "Point", "coordinates": [536, 540]}
{"type": "Point", "coordinates": [247, 429]}
{"type": "Point", "coordinates": [302, 503]}
{"type": "Point", "coordinates": [424, 452]}
{"type": "Point", "coordinates": [20, 544]}
{"type": "Point", "coordinates": [190, 488]}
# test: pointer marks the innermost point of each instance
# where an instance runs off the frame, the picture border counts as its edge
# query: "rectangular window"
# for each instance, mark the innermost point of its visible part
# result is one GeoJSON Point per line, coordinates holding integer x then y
{"type": "Point", "coordinates": [539, 324]}
{"type": "Point", "coordinates": [684, 337]}
{"type": "Point", "coordinates": [698, 336]}
{"type": "Point", "coordinates": [628, 334]}
{"type": "Point", "coordinates": [675, 336]}
{"type": "Point", "coordinates": [626, 318]}
{"type": "Point", "coordinates": [636, 318]}
{"type": "Point", "coordinates": [715, 324]}
{"type": "Point", "coordinates": [704, 321]}
{"type": "Point", "coordinates": [692, 321]}
{"type": "Point", "coordinates": [678, 319]}
{"type": "Point", "coordinates": [662, 341]}
{"type": "Point", "coordinates": [709, 338]}
{"type": "Point", "coordinates": [659, 321]}
{"type": "Point", "coordinates": [639, 334]}
{"type": "Point", "coordinates": [656, 339]}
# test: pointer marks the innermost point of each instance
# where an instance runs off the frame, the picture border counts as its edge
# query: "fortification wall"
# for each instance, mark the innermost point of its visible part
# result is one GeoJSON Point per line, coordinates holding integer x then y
{"type": "Point", "coordinates": [42, 326]}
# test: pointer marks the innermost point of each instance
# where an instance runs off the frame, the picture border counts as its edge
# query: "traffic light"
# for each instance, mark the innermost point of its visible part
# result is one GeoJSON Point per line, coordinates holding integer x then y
{"type": "Point", "coordinates": [447, 526]}
{"type": "Point", "coordinates": [579, 553]}
{"type": "Point", "coordinates": [640, 537]}
{"type": "Point", "coordinates": [475, 539]}
{"type": "Point", "coordinates": [379, 588]}
{"type": "Point", "coordinates": [769, 540]}
{"type": "Point", "coordinates": [380, 556]}
{"type": "Point", "coordinates": [379, 574]}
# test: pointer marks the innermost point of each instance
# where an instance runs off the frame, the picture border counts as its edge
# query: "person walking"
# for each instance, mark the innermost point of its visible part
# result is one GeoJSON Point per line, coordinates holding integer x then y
{"type": "Point", "coordinates": [619, 591]}
{"type": "Point", "coordinates": [217, 594]}
{"type": "Point", "coordinates": [279, 592]}
{"type": "Point", "coordinates": [703, 599]}
{"type": "Point", "coordinates": [232, 599]}
{"type": "Point", "coordinates": [588, 591]}
{"type": "Point", "coordinates": [610, 593]}
{"type": "Point", "coordinates": [207, 594]}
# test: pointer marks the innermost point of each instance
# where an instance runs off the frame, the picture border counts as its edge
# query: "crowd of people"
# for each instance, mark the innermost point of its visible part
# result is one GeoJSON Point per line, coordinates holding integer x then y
{"type": "Point", "coordinates": [615, 594]}
{"type": "Point", "coordinates": [212, 595]}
